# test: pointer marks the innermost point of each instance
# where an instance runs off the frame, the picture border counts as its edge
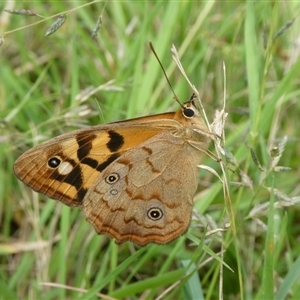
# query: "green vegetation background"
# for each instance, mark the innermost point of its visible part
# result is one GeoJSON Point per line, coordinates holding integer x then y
{"type": "Point", "coordinates": [49, 251]}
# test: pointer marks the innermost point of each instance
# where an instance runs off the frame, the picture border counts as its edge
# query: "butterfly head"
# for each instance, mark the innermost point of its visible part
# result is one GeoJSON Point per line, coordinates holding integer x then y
{"type": "Point", "coordinates": [192, 125]}
{"type": "Point", "coordinates": [189, 109]}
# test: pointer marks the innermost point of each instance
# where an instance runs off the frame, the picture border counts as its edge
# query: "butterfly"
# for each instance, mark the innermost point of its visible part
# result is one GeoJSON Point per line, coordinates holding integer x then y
{"type": "Point", "coordinates": [134, 180]}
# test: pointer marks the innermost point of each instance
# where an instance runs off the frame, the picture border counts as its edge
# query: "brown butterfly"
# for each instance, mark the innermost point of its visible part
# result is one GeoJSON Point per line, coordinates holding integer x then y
{"type": "Point", "coordinates": [134, 179]}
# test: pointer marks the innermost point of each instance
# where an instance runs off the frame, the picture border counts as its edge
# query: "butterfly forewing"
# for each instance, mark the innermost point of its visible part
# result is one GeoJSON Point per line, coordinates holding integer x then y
{"type": "Point", "coordinates": [65, 167]}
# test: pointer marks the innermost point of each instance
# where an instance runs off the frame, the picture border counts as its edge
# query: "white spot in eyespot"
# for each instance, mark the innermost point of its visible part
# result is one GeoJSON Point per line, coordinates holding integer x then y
{"type": "Point", "coordinates": [65, 168]}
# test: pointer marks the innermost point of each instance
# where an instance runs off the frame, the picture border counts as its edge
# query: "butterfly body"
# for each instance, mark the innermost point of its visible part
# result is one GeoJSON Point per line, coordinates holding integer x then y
{"type": "Point", "coordinates": [134, 180]}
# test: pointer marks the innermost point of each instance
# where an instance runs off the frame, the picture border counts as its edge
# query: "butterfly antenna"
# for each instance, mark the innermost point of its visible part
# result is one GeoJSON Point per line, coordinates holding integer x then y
{"type": "Point", "coordinates": [163, 69]}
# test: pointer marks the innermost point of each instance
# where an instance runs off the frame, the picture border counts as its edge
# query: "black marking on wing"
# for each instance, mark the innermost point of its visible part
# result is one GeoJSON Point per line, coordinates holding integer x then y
{"type": "Point", "coordinates": [93, 163]}
{"type": "Point", "coordinates": [116, 141]}
{"type": "Point", "coordinates": [85, 144]}
{"type": "Point", "coordinates": [105, 164]}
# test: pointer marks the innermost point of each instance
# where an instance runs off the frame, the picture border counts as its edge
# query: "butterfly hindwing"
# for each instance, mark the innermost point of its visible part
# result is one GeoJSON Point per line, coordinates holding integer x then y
{"type": "Point", "coordinates": [143, 194]}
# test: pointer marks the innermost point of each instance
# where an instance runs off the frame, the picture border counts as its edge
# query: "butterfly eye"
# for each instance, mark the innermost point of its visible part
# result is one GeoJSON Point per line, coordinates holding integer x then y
{"type": "Point", "coordinates": [54, 162]}
{"type": "Point", "coordinates": [155, 213]}
{"type": "Point", "coordinates": [188, 112]}
{"type": "Point", "coordinates": [112, 178]}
